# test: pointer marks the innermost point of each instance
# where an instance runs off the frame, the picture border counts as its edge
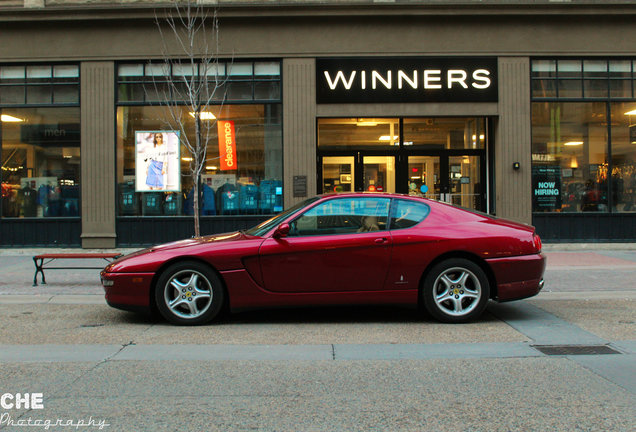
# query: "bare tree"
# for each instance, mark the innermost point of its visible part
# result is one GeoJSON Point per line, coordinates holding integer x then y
{"type": "Point", "coordinates": [194, 85]}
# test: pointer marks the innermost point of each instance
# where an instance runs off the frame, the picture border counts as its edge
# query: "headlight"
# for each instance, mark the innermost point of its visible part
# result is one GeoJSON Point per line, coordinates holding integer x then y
{"type": "Point", "coordinates": [107, 282]}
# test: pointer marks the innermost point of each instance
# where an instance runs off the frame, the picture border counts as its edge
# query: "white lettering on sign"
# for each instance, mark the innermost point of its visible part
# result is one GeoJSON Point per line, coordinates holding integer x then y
{"type": "Point", "coordinates": [375, 76]}
{"type": "Point", "coordinates": [340, 77]}
{"type": "Point", "coordinates": [402, 76]}
{"type": "Point", "coordinates": [457, 76]}
{"type": "Point", "coordinates": [481, 76]}
{"type": "Point", "coordinates": [54, 132]}
{"type": "Point", "coordinates": [430, 79]}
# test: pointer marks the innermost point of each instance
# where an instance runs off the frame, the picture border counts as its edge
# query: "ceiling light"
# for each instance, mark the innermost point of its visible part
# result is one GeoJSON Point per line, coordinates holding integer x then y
{"type": "Point", "coordinates": [574, 163]}
{"type": "Point", "coordinates": [211, 167]}
{"type": "Point", "coordinates": [632, 112]}
{"type": "Point", "coordinates": [186, 159]}
{"type": "Point", "coordinates": [363, 122]}
{"type": "Point", "coordinates": [204, 115]}
{"type": "Point", "coordinates": [388, 138]}
{"type": "Point", "coordinates": [8, 118]}
{"type": "Point", "coordinates": [573, 143]}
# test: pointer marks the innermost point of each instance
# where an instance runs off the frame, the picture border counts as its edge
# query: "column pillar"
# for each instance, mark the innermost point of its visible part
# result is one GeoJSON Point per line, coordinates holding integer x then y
{"type": "Point", "coordinates": [513, 141]}
{"type": "Point", "coordinates": [98, 154]}
{"type": "Point", "coordinates": [299, 126]}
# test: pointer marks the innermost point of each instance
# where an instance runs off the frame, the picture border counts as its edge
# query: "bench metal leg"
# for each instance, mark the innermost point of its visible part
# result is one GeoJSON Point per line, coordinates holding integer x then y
{"type": "Point", "coordinates": [38, 269]}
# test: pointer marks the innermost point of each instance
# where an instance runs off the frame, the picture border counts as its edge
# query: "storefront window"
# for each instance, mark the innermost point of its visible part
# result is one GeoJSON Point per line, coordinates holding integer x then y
{"type": "Point", "coordinates": [581, 162]}
{"type": "Point", "coordinates": [154, 166]}
{"type": "Point", "coordinates": [40, 162]}
{"type": "Point", "coordinates": [383, 133]}
{"type": "Point", "coordinates": [623, 179]}
{"type": "Point", "coordinates": [358, 133]}
{"type": "Point", "coordinates": [569, 157]}
{"type": "Point", "coordinates": [446, 133]}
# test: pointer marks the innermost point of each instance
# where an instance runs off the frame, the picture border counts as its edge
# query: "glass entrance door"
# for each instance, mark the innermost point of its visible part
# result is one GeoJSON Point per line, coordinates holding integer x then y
{"type": "Point", "coordinates": [465, 186]}
{"type": "Point", "coordinates": [379, 174]}
{"type": "Point", "coordinates": [455, 179]}
{"type": "Point", "coordinates": [358, 174]}
{"type": "Point", "coordinates": [441, 158]}
{"type": "Point", "coordinates": [424, 176]}
{"type": "Point", "coordinates": [338, 174]}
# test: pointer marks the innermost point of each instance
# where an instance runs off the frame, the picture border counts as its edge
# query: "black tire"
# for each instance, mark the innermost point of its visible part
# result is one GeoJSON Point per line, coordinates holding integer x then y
{"type": "Point", "coordinates": [189, 293]}
{"type": "Point", "coordinates": [456, 291]}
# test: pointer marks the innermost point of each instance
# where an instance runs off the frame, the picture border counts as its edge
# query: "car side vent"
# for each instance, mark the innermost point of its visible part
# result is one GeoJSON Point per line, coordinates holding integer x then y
{"type": "Point", "coordinates": [563, 350]}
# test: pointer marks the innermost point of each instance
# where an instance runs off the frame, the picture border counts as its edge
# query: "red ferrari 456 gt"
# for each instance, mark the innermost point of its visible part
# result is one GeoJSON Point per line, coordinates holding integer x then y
{"type": "Point", "coordinates": [343, 249]}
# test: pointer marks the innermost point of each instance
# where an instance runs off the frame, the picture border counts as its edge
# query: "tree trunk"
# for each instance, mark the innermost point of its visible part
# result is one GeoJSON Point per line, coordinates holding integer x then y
{"type": "Point", "coordinates": [197, 230]}
{"type": "Point", "coordinates": [195, 177]}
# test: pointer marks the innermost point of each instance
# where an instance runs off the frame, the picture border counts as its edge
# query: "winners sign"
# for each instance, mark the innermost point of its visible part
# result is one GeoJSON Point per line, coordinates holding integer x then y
{"type": "Point", "coordinates": [406, 79]}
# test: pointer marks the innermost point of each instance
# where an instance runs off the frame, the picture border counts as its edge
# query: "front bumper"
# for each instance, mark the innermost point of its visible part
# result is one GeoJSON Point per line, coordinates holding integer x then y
{"type": "Point", "coordinates": [127, 291]}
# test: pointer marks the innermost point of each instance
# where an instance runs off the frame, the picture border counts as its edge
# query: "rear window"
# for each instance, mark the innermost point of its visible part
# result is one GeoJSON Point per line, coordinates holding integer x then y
{"type": "Point", "coordinates": [408, 213]}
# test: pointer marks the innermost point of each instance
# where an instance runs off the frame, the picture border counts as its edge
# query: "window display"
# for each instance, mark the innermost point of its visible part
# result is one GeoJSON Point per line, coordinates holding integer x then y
{"type": "Point", "coordinates": [569, 157]}
{"type": "Point", "coordinates": [581, 162]}
{"type": "Point", "coordinates": [40, 162]}
{"type": "Point", "coordinates": [572, 170]}
{"type": "Point", "coordinates": [242, 173]}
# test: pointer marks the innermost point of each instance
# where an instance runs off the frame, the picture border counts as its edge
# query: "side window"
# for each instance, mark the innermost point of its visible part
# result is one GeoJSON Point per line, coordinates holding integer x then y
{"type": "Point", "coordinates": [343, 216]}
{"type": "Point", "coordinates": [408, 213]}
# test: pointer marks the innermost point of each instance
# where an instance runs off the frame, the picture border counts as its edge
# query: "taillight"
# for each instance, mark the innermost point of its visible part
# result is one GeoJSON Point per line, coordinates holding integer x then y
{"type": "Point", "coordinates": [536, 240]}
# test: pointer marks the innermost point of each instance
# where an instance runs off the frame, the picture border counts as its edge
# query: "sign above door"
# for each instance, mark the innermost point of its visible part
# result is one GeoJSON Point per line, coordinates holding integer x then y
{"type": "Point", "coordinates": [406, 79]}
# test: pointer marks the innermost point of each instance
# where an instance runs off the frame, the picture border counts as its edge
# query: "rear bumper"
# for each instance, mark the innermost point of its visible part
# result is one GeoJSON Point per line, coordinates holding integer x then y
{"type": "Point", "coordinates": [518, 277]}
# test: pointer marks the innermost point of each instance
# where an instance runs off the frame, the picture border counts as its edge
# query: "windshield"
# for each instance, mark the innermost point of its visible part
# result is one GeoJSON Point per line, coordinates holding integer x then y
{"type": "Point", "coordinates": [262, 228]}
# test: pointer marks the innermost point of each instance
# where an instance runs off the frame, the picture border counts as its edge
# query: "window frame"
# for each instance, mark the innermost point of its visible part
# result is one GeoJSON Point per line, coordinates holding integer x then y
{"type": "Point", "coordinates": [294, 234]}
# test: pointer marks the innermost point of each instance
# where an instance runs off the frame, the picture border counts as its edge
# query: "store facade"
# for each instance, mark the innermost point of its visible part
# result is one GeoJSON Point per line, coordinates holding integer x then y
{"type": "Point", "coordinates": [507, 109]}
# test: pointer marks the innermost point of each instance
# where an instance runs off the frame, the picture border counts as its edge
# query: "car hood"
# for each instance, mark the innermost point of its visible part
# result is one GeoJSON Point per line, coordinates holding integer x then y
{"type": "Point", "coordinates": [216, 238]}
{"type": "Point", "coordinates": [195, 241]}
{"type": "Point", "coordinates": [144, 260]}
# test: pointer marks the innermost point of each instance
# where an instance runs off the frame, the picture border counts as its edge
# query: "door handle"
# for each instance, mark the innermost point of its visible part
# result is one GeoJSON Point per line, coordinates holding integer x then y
{"type": "Point", "coordinates": [380, 241]}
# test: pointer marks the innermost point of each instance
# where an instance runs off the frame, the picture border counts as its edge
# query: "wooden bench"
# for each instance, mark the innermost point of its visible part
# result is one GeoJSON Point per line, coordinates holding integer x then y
{"type": "Point", "coordinates": [41, 262]}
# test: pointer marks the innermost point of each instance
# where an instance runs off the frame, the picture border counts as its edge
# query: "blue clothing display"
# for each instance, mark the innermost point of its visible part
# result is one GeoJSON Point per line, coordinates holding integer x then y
{"type": "Point", "coordinates": [155, 177]}
{"type": "Point", "coordinates": [172, 204]}
{"type": "Point", "coordinates": [228, 199]}
{"type": "Point", "coordinates": [209, 203]}
{"type": "Point", "coordinates": [128, 199]}
{"type": "Point", "coordinates": [271, 196]}
{"type": "Point", "coordinates": [152, 203]}
{"type": "Point", "coordinates": [248, 199]}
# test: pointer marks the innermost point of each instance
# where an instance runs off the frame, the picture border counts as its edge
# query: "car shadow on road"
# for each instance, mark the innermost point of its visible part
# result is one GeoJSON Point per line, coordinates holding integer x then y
{"type": "Point", "coordinates": [310, 315]}
{"type": "Point", "coordinates": [338, 315]}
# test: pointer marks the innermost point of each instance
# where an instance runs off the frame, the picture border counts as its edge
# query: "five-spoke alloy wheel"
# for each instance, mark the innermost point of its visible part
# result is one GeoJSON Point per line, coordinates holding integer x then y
{"type": "Point", "coordinates": [456, 290]}
{"type": "Point", "coordinates": [189, 293]}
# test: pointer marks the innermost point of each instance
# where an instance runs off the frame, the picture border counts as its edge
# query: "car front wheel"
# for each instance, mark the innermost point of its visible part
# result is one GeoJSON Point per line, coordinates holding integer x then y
{"type": "Point", "coordinates": [456, 290]}
{"type": "Point", "coordinates": [189, 293]}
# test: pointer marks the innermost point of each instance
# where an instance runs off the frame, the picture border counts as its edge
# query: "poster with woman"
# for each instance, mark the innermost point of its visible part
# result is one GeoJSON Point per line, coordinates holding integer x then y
{"type": "Point", "coordinates": [157, 166]}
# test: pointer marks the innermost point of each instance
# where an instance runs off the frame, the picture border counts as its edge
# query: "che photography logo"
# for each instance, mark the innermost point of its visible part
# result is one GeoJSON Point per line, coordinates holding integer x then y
{"type": "Point", "coordinates": [35, 401]}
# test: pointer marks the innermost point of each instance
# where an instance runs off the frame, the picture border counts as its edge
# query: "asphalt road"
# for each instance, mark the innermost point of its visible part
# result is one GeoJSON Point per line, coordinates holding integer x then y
{"type": "Point", "coordinates": [328, 369]}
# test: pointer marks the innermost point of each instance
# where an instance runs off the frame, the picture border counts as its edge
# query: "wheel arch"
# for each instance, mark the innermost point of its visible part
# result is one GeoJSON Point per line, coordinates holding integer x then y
{"type": "Point", "coordinates": [175, 260]}
{"type": "Point", "coordinates": [492, 281]}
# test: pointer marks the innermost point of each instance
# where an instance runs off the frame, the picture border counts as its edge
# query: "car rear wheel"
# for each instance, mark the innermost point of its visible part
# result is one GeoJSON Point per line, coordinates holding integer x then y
{"type": "Point", "coordinates": [189, 293]}
{"type": "Point", "coordinates": [456, 291]}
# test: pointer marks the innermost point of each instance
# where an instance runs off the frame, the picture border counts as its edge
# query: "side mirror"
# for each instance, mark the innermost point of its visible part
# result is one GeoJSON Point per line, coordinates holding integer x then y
{"type": "Point", "coordinates": [282, 230]}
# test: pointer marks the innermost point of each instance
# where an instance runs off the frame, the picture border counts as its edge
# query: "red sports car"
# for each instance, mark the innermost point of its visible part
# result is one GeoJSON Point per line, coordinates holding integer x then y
{"type": "Point", "coordinates": [340, 249]}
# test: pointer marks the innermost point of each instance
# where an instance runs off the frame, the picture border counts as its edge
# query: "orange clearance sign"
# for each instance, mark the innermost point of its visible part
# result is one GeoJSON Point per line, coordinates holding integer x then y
{"type": "Point", "coordinates": [227, 145]}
